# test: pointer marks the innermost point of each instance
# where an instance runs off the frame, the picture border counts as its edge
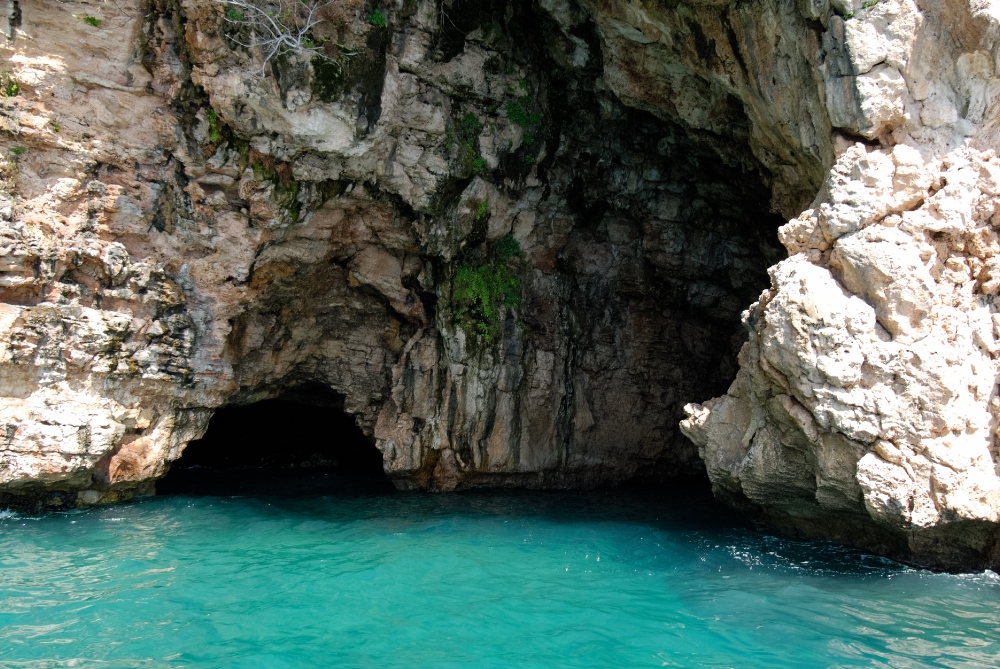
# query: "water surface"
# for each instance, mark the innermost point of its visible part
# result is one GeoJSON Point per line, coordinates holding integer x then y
{"type": "Point", "coordinates": [274, 580]}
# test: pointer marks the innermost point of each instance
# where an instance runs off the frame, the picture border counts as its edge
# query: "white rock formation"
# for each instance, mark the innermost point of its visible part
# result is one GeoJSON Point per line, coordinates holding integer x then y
{"type": "Point", "coordinates": [866, 405]}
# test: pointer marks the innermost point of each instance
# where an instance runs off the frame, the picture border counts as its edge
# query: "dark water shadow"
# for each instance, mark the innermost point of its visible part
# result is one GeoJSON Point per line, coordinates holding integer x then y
{"type": "Point", "coordinates": [271, 483]}
{"type": "Point", "coordinates": [684, 509]}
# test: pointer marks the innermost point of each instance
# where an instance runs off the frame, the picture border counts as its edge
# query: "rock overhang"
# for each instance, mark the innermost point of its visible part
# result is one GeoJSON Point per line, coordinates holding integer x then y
{"type": "Point", "coordinates": [275, 231]}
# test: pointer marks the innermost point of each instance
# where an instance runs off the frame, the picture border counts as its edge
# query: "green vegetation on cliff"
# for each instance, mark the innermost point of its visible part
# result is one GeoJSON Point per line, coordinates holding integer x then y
{"type": "Point", "coordinates": [480, 290]}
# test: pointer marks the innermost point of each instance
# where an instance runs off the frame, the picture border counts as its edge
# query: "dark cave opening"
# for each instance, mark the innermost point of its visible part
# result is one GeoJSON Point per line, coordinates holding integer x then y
{"type": "Point", "coordinates": [301, 441]}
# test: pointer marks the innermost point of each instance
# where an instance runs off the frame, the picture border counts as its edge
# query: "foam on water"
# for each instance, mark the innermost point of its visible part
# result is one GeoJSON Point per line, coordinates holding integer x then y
{"type": "Point", "coordinates": [468, 580]}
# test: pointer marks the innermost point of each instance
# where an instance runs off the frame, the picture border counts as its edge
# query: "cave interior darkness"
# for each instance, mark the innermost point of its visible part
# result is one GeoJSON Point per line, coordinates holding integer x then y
{"type": "Point", "coordinates": [704, 263]}
{"type": "Point", "coordinates": [303, 438]}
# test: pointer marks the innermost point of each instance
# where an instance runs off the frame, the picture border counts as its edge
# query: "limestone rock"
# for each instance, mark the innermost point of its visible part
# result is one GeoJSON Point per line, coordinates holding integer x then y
{"type": "Point", "coordinates": [190, 227]}
{"type": "Point", "coordinates": [186, 225]}
{"type": "Point", "coordinates": [867, 389]}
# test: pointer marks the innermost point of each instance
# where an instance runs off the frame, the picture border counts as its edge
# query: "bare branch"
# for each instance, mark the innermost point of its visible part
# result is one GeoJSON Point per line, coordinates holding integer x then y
{"type": "Point", "coordinates": [279, 27]}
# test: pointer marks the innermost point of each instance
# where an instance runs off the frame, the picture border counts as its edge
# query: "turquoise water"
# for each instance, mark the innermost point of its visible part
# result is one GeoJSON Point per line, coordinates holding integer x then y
{"type": "Point", "coordinates": [466, 580]}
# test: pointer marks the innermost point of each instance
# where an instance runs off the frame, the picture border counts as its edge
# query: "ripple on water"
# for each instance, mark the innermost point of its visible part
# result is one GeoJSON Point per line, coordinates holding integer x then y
{"type": "Point", "coordinates": [470, 580]}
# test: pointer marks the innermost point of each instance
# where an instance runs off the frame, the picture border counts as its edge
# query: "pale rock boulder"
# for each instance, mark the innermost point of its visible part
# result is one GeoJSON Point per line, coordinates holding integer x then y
{"type": "Point", "coordinates": [883, 266]}
{"type": "Point", "coordinates": [866, 405]}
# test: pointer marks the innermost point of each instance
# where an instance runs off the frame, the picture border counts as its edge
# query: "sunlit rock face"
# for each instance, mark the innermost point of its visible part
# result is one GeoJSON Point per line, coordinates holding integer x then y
{"type": "Point", "coordinates": [866, 405]}
{"type": "Point", "coordinates": [517, 238]}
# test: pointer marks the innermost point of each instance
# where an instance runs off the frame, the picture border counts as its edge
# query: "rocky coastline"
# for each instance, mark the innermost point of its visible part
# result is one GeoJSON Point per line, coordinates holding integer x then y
{"type": "Point", "coordinates": [520, 241]}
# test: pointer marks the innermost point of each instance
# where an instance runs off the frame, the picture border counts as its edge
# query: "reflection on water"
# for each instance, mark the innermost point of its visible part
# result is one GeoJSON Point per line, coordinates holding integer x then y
{"type": "Point", "coordinates": [330, 577]}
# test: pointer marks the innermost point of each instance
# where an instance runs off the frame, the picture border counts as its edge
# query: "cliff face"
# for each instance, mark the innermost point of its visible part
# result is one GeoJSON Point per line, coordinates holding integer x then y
{"type": "Point", "coordinates": [517, 237]}
{"type": "Point", "coordinates": [452, 220]}
{"type": "Point", "coordinates": [866, 405]}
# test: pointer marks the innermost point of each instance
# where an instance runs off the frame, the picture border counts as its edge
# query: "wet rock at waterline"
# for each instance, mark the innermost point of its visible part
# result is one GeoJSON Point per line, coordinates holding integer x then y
{"type": "Point", "coordinates": [516, 238]}
{"type": "Point", "coordinates": [865, 409]}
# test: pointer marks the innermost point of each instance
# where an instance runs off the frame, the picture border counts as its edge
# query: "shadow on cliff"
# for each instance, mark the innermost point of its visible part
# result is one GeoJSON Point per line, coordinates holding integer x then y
{"type": "Point", "coordinates": [301, 443]}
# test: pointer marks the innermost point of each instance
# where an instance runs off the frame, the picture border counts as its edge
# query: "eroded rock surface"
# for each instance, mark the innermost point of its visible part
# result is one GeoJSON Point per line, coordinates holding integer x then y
{"type": "Point", "coordinates": [189, 228]}
{"type": "Point", "coordinates": [517, 237]}
{"type": "Point", "coordinates": [866, 405]}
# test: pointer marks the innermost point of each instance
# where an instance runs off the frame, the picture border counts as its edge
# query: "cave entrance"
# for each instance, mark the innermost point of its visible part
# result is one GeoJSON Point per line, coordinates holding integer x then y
{"type": "Point", "coordinates": [300, 442]}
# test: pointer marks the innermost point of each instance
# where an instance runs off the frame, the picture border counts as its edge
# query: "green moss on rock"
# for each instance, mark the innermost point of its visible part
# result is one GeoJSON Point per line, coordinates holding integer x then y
{"type": "Point", "coordinates": [479, 291]}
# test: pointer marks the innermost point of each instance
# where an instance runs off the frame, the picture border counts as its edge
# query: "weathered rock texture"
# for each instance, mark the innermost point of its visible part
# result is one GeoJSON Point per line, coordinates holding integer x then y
{"type": "Point", "coordinates": [183, 233]}
{"type": "Point", "coordinates": [185, 227]}
{"type": "Point", "coordinates": [866, 405]}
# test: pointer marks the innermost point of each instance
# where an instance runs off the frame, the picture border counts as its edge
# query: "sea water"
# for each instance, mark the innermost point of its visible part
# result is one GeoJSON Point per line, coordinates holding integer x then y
{"type": "Point", "coordinates": [321, 579]}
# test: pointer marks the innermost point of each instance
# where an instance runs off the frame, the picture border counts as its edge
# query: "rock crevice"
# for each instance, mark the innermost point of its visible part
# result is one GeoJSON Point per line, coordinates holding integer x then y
{"type": "Point", "coordinates": [193, 229]}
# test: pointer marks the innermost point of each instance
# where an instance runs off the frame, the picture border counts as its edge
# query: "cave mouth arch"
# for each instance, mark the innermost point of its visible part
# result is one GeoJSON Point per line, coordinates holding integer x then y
{"type": "Point", "coordinates": [300, 441]}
